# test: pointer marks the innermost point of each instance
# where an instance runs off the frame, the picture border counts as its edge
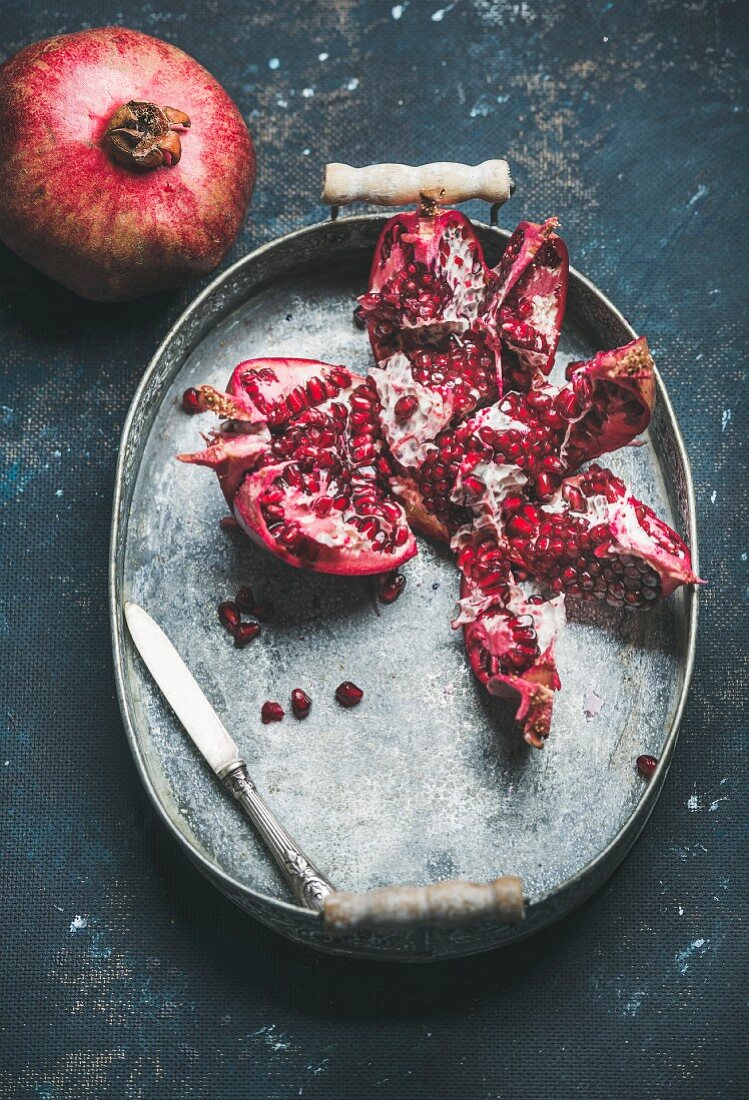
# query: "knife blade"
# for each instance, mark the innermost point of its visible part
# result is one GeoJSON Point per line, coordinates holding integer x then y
{"type": "Point", "coordinates": [210, 737]}
{"type": "Point", "coordinates": [179, 687]}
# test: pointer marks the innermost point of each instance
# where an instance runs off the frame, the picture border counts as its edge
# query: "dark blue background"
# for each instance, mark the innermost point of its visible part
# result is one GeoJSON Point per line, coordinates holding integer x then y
{"type": "Point", "coordinates": [628, 121]}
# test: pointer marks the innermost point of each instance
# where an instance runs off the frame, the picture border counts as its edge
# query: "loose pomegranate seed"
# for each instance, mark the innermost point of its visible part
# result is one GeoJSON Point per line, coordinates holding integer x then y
{"type": "Point", "coordinates": [271, 712]}
{"type": "Point", "coordinates": [191, 401]}
{"type": "Point", "coordinates": [245, 599]}
{"type": "Point", "coordinates": [348, 694]}
{"type": "Point", "coordinates": [244, 633]}
{"type": "Point", "coordinates": [391, 586]}
{"type": "Point", "coordinates": [300, 703]}
{"type": "Point", "coordinates": [228, 614]}
{"type": "Point", "coordinates": [646, 765]}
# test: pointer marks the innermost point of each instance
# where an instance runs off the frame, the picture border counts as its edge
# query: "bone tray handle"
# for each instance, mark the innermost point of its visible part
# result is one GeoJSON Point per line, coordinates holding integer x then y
{"type": "Point", "coordinates": [443, 904]}
{"type": "Point", "coordinates": [401, 185]}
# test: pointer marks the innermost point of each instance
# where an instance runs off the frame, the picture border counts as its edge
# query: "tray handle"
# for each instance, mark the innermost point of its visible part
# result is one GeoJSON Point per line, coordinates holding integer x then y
{"type": "Point", "coordinates": [445, 182]}
{"type": "Point", "coordinates": [444, 904]}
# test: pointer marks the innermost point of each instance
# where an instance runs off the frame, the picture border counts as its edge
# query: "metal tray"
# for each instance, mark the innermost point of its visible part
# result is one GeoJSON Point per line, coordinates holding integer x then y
{"type": "Point", "coordinates": [427, 780]}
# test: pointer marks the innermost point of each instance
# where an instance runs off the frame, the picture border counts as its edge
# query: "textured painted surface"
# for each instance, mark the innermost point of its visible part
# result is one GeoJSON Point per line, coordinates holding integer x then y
{"type": "Point", "coordinates": [123, 972]}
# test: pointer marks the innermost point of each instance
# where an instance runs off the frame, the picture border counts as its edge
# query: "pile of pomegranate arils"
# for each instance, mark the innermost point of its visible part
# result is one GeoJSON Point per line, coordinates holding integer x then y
{"type": "Point", "coordinates": [457, 434]}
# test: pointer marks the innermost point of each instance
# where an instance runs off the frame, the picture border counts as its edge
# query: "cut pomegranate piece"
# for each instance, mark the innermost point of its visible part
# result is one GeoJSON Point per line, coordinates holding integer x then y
{"type": "Point", "coordinates": [529, 307]}
{"type": "Point", "coordinates": [427, 279]}
{"type": "Point", "coordinates": [310, 481]}
{"type": "Point", "coordinates": [509, 636]}
{"type": "Point", "coordinates": [524, 302]}
{"type": "Point", "coordinates": [595, 540]}
{"type": "Point", "coordinates": [608, 401]}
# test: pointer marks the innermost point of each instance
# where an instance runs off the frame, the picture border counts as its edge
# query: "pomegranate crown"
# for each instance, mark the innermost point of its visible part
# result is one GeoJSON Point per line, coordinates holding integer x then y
{"type": "Point", "coordinates": [142, 135]}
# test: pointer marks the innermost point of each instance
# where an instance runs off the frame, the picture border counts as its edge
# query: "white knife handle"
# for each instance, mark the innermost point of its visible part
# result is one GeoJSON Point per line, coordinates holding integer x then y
{"type": "Point", "coordinates": [309, 887]}
{"type": "Point", "coordinates": [444, 182]}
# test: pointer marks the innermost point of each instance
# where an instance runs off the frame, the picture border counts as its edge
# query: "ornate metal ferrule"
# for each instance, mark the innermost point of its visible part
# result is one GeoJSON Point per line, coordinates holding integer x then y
{"type": "Point", "coordinates": [309, 886]}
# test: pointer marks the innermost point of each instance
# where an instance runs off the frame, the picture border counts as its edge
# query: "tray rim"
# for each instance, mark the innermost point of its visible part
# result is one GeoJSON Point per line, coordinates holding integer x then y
{"type": "Point", "coordinates": [619, 845]}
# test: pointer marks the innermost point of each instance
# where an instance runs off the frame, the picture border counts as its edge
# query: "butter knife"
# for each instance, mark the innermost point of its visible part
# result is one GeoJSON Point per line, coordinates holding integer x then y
{"type": "Point", "coordinates": [177, 684]}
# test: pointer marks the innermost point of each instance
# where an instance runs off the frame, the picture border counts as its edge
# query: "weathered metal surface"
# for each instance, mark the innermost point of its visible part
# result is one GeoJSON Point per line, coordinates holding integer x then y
{"type": "Point", "coordinates": [427, 779]}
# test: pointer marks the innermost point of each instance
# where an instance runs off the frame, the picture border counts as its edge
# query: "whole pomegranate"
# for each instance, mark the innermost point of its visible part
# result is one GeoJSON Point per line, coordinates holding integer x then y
{"type": "Point", "coordinates": [125, 168]}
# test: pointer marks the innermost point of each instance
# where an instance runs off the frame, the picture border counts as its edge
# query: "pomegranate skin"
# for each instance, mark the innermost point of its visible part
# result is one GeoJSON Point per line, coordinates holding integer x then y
{"type": "Point", "coordinates": [107, 231]}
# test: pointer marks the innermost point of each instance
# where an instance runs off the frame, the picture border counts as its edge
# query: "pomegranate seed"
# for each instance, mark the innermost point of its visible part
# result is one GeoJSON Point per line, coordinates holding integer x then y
{"type": "Point", "coordinates": [391, 586]}
{"type": "Point", "coordinates": [316, 390]}
{"type": "Point", "coordinates": [300, 703]}
{"type": "Point", "coordinates": [646, 765]}
{"type": "Point", "coordinates": [228, 614]}
{"type": "Point", "coordinates": [341, 377]}
{"type": "Point", "coordinates": [244, 633]}
{"type": "Point", "coordinates": [228, 523]}
{"type": "Point", "coordinates": [405, 407]}
{"type": "Point", "coordinates": [348, 694]}
{"type": "Point", "coordinates": [271, 712]}
{"type": "Point", "coordinates": [544, 485]}
{"type": "Point", "coordinates": [245, 599]}
{"type": "Point", "coordinates": [191, 401]}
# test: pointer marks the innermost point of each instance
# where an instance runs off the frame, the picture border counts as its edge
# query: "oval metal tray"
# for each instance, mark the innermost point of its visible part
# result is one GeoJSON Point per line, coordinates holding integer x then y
{"type": "Point", "coordinates": [428, 779]}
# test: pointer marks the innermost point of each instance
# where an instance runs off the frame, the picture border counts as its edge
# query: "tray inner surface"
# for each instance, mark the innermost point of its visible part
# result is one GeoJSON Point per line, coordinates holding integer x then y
{"type": "Point", "coordinates": [427, 778]}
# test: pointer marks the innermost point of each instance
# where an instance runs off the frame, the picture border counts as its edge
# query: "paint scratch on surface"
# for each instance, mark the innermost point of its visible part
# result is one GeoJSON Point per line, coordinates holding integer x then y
{"type": "Point", "coordinates": [631, 1005]}
{"type": "Point", "coordinates": [481, 108]}
{"type": "Point", "coordinates": [698, 948]}
{"type": "Point", "coordinates": [725, 419]}
{"type": "Point", "coordinates": [705, 802]}
{"type": "Point", "coordinates": [699, 194]}
{"type": "Point", "coordinates": [439, 15]}
{"type": "Point", "coordinates": [273, 1041]}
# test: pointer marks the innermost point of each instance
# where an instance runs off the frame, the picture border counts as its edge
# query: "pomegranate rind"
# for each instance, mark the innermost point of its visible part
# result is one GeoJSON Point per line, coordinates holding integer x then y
{"type": "Point", "coordinates": [531, 690]}
{"type": "Point", "coordinates": [496, 615]}
{"type": "Point", "coordinates": [231, 457]}
{"type": "Point", "coordinates": [534, 694]}
{"type": "Point", "coordinates": [543, 287]}
{"type": "Point", "coordinates": [626, 377]}
{"type": "Point", "coordinates": [440, 244]}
